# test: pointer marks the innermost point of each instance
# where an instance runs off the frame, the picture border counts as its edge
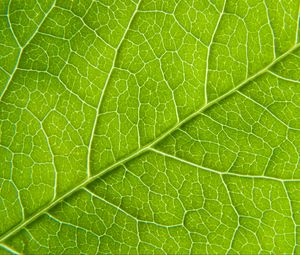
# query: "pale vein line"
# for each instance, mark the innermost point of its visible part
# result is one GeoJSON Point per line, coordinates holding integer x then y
{"type": "Point", "coordinates": [247, 48]}
{"type": "Point", "coordinates": [7, 73]}
{"type": "Point", "coordinates": [11, 75]}
{"type": "Point", "coordinates": [104, 89]}
{"type": "Point", "coordinates": [237, 215]}
{"type": "Point", "coordinates": [209, 49]}
{"type": "Point", "coordinates": [63, 84]}
{"type": "Point", "coordinates": [109, 203]}
{"type": "Point", "coordinates": [170, 89]}
{"type": "Point", "coordinates": [219, 172]}
{"type": "Point", "coordinates": [9, 22]}
{"type": "Point", "coordinates": [283, 78]}
{"type": "Point", "coordinates": [9, 249]}
{"type": "Point", "coordinates": [138, 113]}
{"type": "Point", "coordinates": [268, 111]}
{"type": "Point", "coordinates": [298, 21]}
{"type": "Point", "coordinates": [292, 216]}
{"type": "Point", "coordinates": [198, 39]}
{"type": "Point", "coordinates": [61, 222]}
{"type": "Point", "coordinates": [86, 25]}
{"type": "Point", "coordinates": [271, 28]}
{"type": "Point", "coordinates": [15, 229]}
{"type": "Point", "coordinates": [21, 48]}
{"type": "Point", "coordinates": [40, 24]}
{"type": "Point", "coordinates": [51, 154]}
{"type": "Point", "coordinates": [128, 214]}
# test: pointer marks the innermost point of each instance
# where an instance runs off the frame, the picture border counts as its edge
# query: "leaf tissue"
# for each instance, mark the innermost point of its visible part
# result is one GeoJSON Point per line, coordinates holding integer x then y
{"type": "Point", "coordinates": [149, 127]}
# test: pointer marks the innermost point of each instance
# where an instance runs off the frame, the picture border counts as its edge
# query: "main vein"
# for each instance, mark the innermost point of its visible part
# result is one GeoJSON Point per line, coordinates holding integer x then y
{"type": "Point", "coordinates": [144, 148]}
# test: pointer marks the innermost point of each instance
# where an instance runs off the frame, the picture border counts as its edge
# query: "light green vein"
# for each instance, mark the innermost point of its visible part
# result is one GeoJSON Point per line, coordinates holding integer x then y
{"type": "Point", "coordinates": [147, 147]}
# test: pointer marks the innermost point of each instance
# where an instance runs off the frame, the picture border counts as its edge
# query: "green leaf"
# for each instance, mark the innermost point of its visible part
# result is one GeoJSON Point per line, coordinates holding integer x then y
{"type": "Point", "coordinates": [149, 127]}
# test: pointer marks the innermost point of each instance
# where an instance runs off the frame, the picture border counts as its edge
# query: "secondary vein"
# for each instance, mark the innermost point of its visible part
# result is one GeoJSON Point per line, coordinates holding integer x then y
{"type": "Point", "coordinates": [145, 148]}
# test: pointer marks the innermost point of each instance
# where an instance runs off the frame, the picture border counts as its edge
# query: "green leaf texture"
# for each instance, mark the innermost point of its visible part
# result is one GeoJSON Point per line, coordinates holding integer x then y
{"type": "Point", "coordinates": [149, 127]}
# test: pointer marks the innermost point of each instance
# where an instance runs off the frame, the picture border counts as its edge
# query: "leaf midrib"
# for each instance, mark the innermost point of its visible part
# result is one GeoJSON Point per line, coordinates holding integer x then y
{"type": "Point", "coordinates": [145, 148]}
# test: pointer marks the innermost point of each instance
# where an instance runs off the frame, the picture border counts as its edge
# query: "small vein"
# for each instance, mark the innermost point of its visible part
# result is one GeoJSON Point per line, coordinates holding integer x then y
{"type": "Point", "coordinates": [292, 216]}
{"type": "Point", "coordinates": [128, 214]}
{"type": "Point", "coordinates": [9, 249]}
{"type": "Point", "coordinates": [209, 51]}
{"type": "Point", "coordinates": [219, 172]}
{"type": "Point", "coordinates": [70, 224]}
{"type": "Point", "coordinates": [271, 28]}
{"type": "Point", "coordinates": [298, 24]}
{"type": "Point", "coordinates": [10, 26]}
{"type": "Point", "coordinates": [283, 78]}
{"type": "Point", "coordinates": [21, 48]}
{"type": "Point", "coordinates": [268, 111]}
{"type": "Point", "coordinates": [237, 215]}
{"type": "Point", "coordinates": [104, 89]}
{"type": "Point", "coordinates": [33, 217]}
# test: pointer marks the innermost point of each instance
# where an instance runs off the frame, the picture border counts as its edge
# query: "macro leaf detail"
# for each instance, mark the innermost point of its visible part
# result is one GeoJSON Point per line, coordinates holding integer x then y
{"type": "Point", "coordinates": [149, 127]}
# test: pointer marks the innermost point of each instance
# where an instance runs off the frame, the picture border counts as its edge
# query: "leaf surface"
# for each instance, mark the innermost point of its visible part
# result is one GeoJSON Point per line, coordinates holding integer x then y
{"type": "Point", "coordinates": [149, 127]}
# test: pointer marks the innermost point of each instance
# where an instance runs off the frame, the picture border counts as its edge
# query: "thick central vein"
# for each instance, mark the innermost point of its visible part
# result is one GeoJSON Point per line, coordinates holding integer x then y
{"type": "Point", "coordinates": [144, 148]}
